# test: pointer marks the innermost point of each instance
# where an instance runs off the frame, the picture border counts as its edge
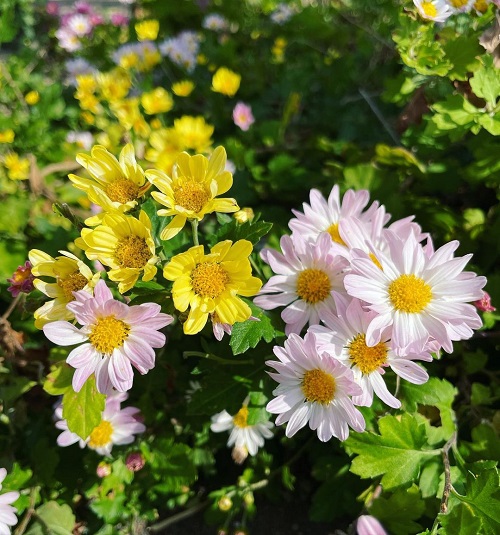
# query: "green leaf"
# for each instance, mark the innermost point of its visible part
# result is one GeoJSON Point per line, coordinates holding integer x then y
{"type": "Point", "coordinates": [398, 454]}
{"type": "Point", "coordinates": [399, 512]}
{"type": "Point", "coordinates": [482, 497]}
{"type": "Point", "coordinates": [486, 81]}
{"type": "Point", "coordinates": [52, 519]}
{"type": "Point", "coordinates": [110, 508]}
{"type": "Point", "coordinates": [397, 157]}
{"type": "Point", "coordinates": [251, 231]}
{"type": "Point", "coordinates": [460, 521]}
{"type": "Point", "coordinates": [58, 381]}
{"type": "Point", "coordinates": [463, 52]}
{"type": "Point", "coordinates": [485, 443]}
{"type": "Point", "coordinates": [490, 123]}
{"type": "Point", "coordinates": [247, 334]}
{"type": "Point", "coordinates": [82, 410]}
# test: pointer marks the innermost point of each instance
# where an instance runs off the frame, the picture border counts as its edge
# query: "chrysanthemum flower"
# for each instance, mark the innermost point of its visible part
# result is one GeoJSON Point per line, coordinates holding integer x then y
{"type": "Point", "coordinates": [208, 283]}
{"type": "Point", "coordinates": [22, 280]}
{"type": "Point", "coordinates": [421, 296]}
{"type": "Point", "coordinates": [436, 10]}
{"type": "Point", "coordinates": [183, 88]}
{"type": "Point", "coordinates": [194, 133]}
{"type": "Point", "coordinates": [243, 116]}
{"type": "Point", "coordinates": [345, 337]}
{"type": "Point", "coordinates": [147, 30]}
{"type": "Point", "coordinates": [157, 101]}
{"type": "Point", "coordinates": [460, 6]}
{"type": "Point", "coordinates": [307, 278]}
{"type": "Point", "coordinates": [191, 192]}
{"type": "Point", "coordinates": [314, 388]}
{"type": "Point", "coordinates": [118, 426]}
{"type": "Point", "coordinates": [115, 337]}
{"type": "Point", "coordinates": [245, 438]}
{"type": "Point", "coordinates": [7, 512]}
{"type": "Point", "coordinates": [114, 185]}
{"type": "Point", "coordinates": [165, 147]}
{"type": "Point", "coordinates": [226, 82]}
{"type": "Point", "coordinates": [17, 168]}
{"type": "Point", "coordinates": [324, 215]}
{"type": "Point", "coordinates": [125, 244]}
{"type": "Point", "coordinates": [71, 275]}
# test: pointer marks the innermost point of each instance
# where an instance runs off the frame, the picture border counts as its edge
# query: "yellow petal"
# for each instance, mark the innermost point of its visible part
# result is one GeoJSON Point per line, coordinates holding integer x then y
{"type": "Point", "coordinates": [173, 228]}
{"type": "Point", "coordinates": [195, 322]}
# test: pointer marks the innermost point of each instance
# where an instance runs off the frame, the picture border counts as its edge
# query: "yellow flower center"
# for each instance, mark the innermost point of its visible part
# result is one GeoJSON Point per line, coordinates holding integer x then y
{"type": "Point", "coordinates": [191, 196]}
{"type": "Point", "coordinates": [101, 435]}
{"type": "Point", "coordinates": [459, 3]}
{"type": "Point", "coordinates": [73, 283]}
{"type": "Point", "coordinates": [430, 9]}
{"type": "Point", "coordinates": [481, 6]}
{"type": "Point", "coordinates": [209, 279]}
{"type": "Point", "coordinates": [333, 230]}
{"type": "Point", "coordinates": [241, 417]}
{"type": "Point", "coordinates": [409, 293]}
{"type": "Point", "coordinates": [375, 261]}
{"type": "Point", "coordinates": [367, 359]}
{"type": "Point", "coordinates": [313, 285]}
{"type": "Point", "coordinates": [108, 334]}
{"type": "Point", "coordinates": [122, 190]}
{"type": "Point", "coordinates": [132, 252]}
{"type": "Point", "coordinates": [318, 386]}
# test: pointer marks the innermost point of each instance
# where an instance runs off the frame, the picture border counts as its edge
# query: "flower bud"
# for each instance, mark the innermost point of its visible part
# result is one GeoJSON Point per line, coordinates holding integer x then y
{"type": "Point", "coordinates": [135, 461]}
{"type": "Point", "coordinates": [103, 469]}
{"type": "Point", "coordinates": [225, 503]}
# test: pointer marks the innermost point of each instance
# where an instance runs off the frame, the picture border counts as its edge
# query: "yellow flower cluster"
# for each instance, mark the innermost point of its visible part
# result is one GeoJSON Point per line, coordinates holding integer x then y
{"type": "Point", "coordinates": [120, 237]}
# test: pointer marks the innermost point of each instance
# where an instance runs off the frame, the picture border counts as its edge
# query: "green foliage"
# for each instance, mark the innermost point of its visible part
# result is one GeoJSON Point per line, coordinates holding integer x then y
{"type": "Point", "coordinates": [248, 334]}
{"type": "Point", "coordinates": [52, 518]}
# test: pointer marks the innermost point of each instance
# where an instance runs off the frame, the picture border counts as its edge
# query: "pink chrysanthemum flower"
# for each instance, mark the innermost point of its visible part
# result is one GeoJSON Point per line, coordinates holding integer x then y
{"type": "Point", "coordinates": [422, 297]}
{"type": "Point", "coordinates": [345, 337]}
{"type": "Point", "coordinates": [242, 116]}
{"type": "Point", "coordinates": [369, 525]}
{"type": "Point", "coordinates": [314, 388]}
{"type": "Point", "coordinates": [324, 215]}
{"type": "Point", "coordinates": [21, 280]}
{"type": "Point", "coordinates": [118, 426]}
{"type": "Point", "coordinates": [7, 512]}
{"type": "Point", "coordinates": [116, 336]}
{"type": "Point", "coordinates": [308, 276]}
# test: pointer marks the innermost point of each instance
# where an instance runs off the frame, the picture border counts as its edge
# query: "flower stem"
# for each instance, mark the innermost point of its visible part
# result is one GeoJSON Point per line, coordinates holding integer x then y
{"type": "Point", "coordinates": [194, 226]}
{"type": "Point", "coordinates": [211, 356]}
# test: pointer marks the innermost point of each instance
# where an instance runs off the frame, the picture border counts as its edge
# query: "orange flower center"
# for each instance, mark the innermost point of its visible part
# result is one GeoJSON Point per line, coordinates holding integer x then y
{"type": "Point", "coordinates": [108, 334]}
{"type": "Point", "coordinates": [101, 435]}
{"type": "Point", "coordinates": [367, 359]}
{"type": "Point", "coordinates": [313, 285]}
{"type": "Point", "coordinates": [191, 195]}
{"type": "Point", "coordinates": [132, 252]}
{"type": "Point", "coordinates": [209, 279]}
{"type": "Point", "coordinates": [318, 386]}
{"type": "Point", "coordinates": [409, 293]}
{"type": "Point", "coordinates": [73, 283]}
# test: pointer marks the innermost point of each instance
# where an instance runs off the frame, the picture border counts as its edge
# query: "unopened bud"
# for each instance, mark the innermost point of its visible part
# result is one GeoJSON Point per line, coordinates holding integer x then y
{"type": "Point", "coordinates": [225, 503]}
{"type": "Point", "coordinates": [103, 469]}
{"type": "Point", "coordinates": [244, 215]}
{"type": "Point", "coordinates": [135, 461]}
{"type": "Point", "coordinates": [484, 304]}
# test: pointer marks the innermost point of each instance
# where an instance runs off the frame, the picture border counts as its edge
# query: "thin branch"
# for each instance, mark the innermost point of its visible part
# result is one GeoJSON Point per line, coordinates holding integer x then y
{"type": "Point", "coordinates": [387, 127]}
{"type": "Point", "coordinates": [160, 526]}
{"type": "Point", "coordinates": [29, 513]}
{"type": "Point", "coordinates": [12, 306]}
{"type": "Point", "coordinates": [447, 473]}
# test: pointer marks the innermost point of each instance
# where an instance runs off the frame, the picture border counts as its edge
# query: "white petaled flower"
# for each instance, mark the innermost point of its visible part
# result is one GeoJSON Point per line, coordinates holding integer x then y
{"type": "Point", "coordinates": [79, 24]}
{"type": "Point", "coordinates": [436, 10]}
{"type": "Point", "coordinates": [324, 215]}
{"type": "Point", "coordinates": [7, 511]}
{"type": "Point", "coordinates": [423, 297]}
{"type": "Point", "coordinates": [308, 277]}
{"type": "Point", "coordinates": [114, 337]}
{"type": "Point", "coordinates": [245, 438]}
{"type": "Point", "coordinates": [345, 337]}
{"type": "Point", "coordinates": [117, 427]}
{"type": "Point", "coordinates": [315, 389]}
{"type": "Point", "coordinates": [460, 6]}
{"type": "Point", "coordinates": [68, 40]}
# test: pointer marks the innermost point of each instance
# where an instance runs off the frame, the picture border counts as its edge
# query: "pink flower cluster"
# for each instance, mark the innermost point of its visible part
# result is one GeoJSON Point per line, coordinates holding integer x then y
{"type": "Point", "coordinates": [374, 297]}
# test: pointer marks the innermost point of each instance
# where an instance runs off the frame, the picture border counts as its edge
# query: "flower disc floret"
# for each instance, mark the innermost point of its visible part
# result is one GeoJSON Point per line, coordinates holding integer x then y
{"type": "Point", "coordinates": [114, 338]}
{"type": "Point", "coordinates": [409, 293]}
{"type": "Point", "coordinates": [101, 435]}
{"type": "Point", "coordinates": [313, 285]}
{"type": "Point", "coordinates": [192, 190]}
{"type": "Point", "coordinates": [209, 284]}
{"type": "Point", "coordinates": [318, 386]}
{"type": "Point", "coordinates": [367, 359]}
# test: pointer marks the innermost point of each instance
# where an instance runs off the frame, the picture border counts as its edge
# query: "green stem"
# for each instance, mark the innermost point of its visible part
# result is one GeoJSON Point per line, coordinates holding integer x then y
{"type": "Point", "coordinates": [194, 226]}
{"type": "Point", "coordinates": [211, 356]}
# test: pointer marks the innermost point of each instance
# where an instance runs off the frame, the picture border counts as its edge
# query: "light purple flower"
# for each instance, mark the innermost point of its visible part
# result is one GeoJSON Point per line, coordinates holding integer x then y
{"type": "Point", "coordinates": [7, 512]}
{"type": "Point", "coordinates": [114, 337]}
{"type": "Point", "coordinates": [242, 116]}
{"type": "Point", "coordinates": [369, 525]}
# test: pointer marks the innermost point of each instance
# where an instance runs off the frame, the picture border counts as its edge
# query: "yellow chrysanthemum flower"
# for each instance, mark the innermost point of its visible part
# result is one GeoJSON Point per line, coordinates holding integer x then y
{"type": "Point", "coordinates": [157, 101]}
{"type": "Point", "coordinates": [114, 85]}
{"type": "Point", "coordinates": [183, 88]}
{"type": "Point", "coordinates": [86, 83]}
{"type": "Point", "coordinates": [165, 147]}
{"type": "Point", "coordinates": [17, 168]}
{"type": "Point", "coordinates": [190, 193]}
{"type": "Point", "coordinates": [194, 133]}
{"type": "Point", "coordinates": [71, 275]}
{"type": "Point", "coordinates": [114, 185]}
{"type": "Point", "coordinates": [32, 98]}
{"type": "Point", "coordinates": [130, 117]}
{"type": "Point", "coordinates": [124, 244]}
{"type": "Point", "coordinates": [226, 82]}
{"type": "Point", "coordinates": [211, 283]}
{"type": "Point", "coordinates": [7, 136]}
{"type": "Point", "coordinates": [147, 30]}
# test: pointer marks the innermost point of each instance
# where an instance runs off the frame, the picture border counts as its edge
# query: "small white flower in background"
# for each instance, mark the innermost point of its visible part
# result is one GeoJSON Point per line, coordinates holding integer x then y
{"type": "Point", "coordinates": [84, 140]}
{"type": "Point", "coordinates": [7, 512]}
{"type": "Point", "coordinates": [118, 426]}
{"type": "Point", "coordinates": [283, 13]}
{"type": "Point", "coordinates": [194, 386]}
{"type": "Point", "coordinates": [436, 10]}
{"type": "Point", "coordinates": [68, 40]}
{"type": "Point", "coordinates": [460, 6]}
{"type": "Point", "coordinates": [215, 22]}
{"type": "Point", "coordinates": [79, 24]}
{"type": "Point", "coordinates": [245, 438]}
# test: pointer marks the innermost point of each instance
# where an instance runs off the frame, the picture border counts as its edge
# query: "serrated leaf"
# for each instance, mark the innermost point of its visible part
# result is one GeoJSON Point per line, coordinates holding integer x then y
{"type": "Point", "coordinates": [482, 497]}
{"type": "Point", "coordinates": [52, 518]}
{"type": "Point", "coordinates": [251, 231]}
{"type": "Point", "coordinates": [459, 521]}
{"type": "Point", "coordinates": [486, 82]}
{"type": "Point", "coordinates": [399, 512]}
{"type": "Point", "coordinates": [58, 381]}
{"type": "Point", "coordinates": [463, 52]}
{"type": "Point", "coordinates": [398, 454]}
{"type": "Point", "coordinates": [82, 410]}
{"type": "Point", "coordinates": [247, 334]}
